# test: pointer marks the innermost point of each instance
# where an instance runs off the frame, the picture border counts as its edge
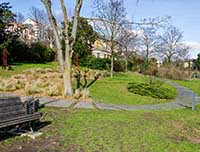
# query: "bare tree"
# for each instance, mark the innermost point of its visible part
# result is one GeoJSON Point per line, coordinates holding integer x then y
{"type": "Point", "coordinates": [110, 18]}
{"type": "Point", "coordinates": [128, 41]}
{"type": "Point", "coordinates": [19, 17]}
{"type": "Point", "coordinates": [40, 16]}
{"type": "Point", "coordinates": [149, 42]}
{"type": "Point", "coordinates": [65, 62]}
{"type": "Point", "coordinates": [171, 45]}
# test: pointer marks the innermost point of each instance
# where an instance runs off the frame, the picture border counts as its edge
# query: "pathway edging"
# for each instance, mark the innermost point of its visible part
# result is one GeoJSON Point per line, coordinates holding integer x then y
{"type": "Point", "coordinates": [184, 99]}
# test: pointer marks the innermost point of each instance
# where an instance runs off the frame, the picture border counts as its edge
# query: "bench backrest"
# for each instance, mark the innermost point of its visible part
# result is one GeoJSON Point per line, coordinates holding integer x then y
{"type": "Point", "coordinates": [11, 107]}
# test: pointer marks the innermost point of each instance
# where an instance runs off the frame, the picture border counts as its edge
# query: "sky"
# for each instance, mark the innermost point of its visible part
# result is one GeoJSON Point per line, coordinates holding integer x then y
{"type": "Point", "coordinates": [185, 14]}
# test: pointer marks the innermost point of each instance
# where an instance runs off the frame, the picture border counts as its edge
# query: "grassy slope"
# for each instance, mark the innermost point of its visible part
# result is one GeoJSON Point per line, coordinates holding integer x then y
{"type": "Point", "coordinates": [191, 84]}
{"type": "Point", "coordinates": [20, 67]}
{"type": "Point", "coordinates": [107, 90]}
{"type": "Point", "coordinates": [92, 130]}
{"type": "Point", "coordinates": [115, 90]}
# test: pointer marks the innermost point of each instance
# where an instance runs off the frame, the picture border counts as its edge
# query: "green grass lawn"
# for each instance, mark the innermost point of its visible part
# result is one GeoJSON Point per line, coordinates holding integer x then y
{"type": "Point", "coordinates": [20, 67]}
{"type": "Point", "coordinates": [191, 84]}
{"type": "Point", "coordinates": [117, 131]}
{"type": "Point", "coordinates": [114, 90]}
{"type": "Point", "coordinates": [109, 90]}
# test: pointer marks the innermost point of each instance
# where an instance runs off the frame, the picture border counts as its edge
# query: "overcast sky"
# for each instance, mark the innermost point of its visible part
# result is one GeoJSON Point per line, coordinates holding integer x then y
{"type": "Point", "coordinates": [185, 14]}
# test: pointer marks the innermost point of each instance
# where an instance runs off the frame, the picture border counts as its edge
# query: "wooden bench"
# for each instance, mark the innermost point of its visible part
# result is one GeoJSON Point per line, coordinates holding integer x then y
{"type": "Point", "coordinates": [14, 112]}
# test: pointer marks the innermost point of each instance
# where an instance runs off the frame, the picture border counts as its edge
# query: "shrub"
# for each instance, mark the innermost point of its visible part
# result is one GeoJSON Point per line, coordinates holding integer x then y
{"type": "Point", "coordinates": [196, 75]}
{"type": "Point", "coordinates": [173, 72]}
{"type": "Point", "coordinates": [119, 66]}
{"type": "Point", "coordinates": [151, 70]}
{"type": "Point", "coordinates": [36, 52]}
{"type": "Point", "coordinates": [41, 53]}
{"type": "Point", "coordinates": [153, 90]}
{"type": "Point", "coordinates": [101, 63]}
{"type": "Point", "coordinates": [95, 63]}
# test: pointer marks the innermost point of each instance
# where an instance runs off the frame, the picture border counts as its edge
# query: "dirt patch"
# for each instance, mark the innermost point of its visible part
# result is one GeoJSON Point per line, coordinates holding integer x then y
{"type": "Point", "coordinates": [184, 133]}
{"type": "Point", "coordinates": [30, 145]}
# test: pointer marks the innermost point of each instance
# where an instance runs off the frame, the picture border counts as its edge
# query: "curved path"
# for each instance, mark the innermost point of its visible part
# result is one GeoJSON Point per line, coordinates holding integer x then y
{"type": "Point", "coordinates": [183, 100]}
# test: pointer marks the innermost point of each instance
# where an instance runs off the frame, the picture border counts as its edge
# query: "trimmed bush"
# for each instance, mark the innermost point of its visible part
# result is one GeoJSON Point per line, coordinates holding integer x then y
{"type": "Point", "coordinates": [95, 63]}
{"type": "Point", "coordinates": [152, 90]}
{"type": "Point", "coordinates": [34, 53]}
{"type": "Point", "coordinates": [101, 64]}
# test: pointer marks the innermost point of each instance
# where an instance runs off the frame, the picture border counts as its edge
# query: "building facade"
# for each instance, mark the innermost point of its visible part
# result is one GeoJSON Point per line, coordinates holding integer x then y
{"type": "Point", "coordinates": [101, 49]}
{"type": "Point", "coordinates": [30, 31]}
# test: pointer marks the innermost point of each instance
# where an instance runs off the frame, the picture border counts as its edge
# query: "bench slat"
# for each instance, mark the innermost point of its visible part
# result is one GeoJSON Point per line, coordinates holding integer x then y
{"type": "Point", "coordinates": [11, 114]}
{"type": "Point", "coordinates": [11, 108]}
{"type": "Point", "coordinates": [14, 112]}
{"type": "Point", "coordinates": [9, 103]}
{"type": "Point", "coordinates": [20, 120]}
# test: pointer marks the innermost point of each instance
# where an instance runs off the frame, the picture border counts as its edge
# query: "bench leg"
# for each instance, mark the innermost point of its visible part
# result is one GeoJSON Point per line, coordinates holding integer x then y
{"type": "Point", "coordinates": [32, 126]}
{"type": "Point", "coordinates": [32, 131]}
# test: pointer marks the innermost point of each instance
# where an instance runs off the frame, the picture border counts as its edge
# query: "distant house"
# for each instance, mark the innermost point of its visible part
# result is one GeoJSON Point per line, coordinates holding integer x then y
{"type": "Point", "coordinates": [190, 64]}
{"type": "Point", "coordinates": [13, 27]}
{"type": "Point", "coordinates": [101, 49]}
{"type": "Point", "coordinates": [30, 31]}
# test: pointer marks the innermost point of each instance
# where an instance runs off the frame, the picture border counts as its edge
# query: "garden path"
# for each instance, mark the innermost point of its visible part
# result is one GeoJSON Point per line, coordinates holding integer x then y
{"type": "Point", "coordinates": [183, 100]}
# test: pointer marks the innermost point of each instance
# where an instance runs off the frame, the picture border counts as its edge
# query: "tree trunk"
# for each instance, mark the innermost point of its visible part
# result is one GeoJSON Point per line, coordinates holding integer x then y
{"type": "Point", "coordinates": [67, 75]}
{"type": "Point", "coordinates": [112, 58]}
{"type": "Point", "coordinates": [112, 65]}
{"type": "Point", "coordinates": [126, 64]}
{"type": "Point", "coordinates": [65, 64]}
{"type": "Point", "coordinates": [67, 78]}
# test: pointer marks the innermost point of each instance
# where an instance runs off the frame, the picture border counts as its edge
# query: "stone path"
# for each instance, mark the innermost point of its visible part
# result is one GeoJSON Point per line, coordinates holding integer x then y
{"type": "Point", "coordinates": [183, 100]}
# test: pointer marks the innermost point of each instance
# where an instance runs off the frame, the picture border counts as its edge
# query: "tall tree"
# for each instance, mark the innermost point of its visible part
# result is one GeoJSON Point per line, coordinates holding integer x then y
{"type": "Point", "coordinates": [41, 17]}
{"type": "Point", "coordinates": [197, 62]}
{"type": "Point", "coordinates": [65, 62]}
{"type": "Point", "coordinates": [128, 41]}
{"type": "Point", "coordinates": [149, 42]}
{"type": "Point", "coordinates": [86, 36]}
{"type": "Point", "coordinates": [19, 17]}
{"type": "Point", "coordinates": [6, 17]}
{"type": "Point", "coordinates": [171, 45]}
{"type": "Point", "coordinates": [111, 17]}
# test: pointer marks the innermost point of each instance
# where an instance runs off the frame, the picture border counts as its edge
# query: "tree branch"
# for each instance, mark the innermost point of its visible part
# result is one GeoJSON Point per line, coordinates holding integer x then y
{"type": "Point", "coordinates": [54, 25]}
{"type": "Point", "coordinates": [75, 20]}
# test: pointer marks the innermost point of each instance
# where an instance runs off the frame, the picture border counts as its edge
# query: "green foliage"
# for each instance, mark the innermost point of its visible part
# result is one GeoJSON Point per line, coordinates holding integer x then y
{"type": "Point", "coordinates": [101, 63]}
{"type": "Point", "coordinates": [86, 36]}
{"type": "Point", "coordinates": [20, 67]}
{"type": "Point", "coordinates": [35, 53]}
{"type": "Point", "coordinates": [144, 66]}
{"type": "Point", "coordinates": [114, 131]}
{"type": "Point", "coordinates": [41, 53]}
{"type": "Point", "coordinates": [119, 66]}
{"type": "Point", "coordinates": [197, 62]}
{"type": "Point", "coordinates": [196, 75]}
{"type": "Point", "coordinates": [114, 90]}
{"type": "Point", "coordinates": [153, 89]}
{"type": "Point", "coordinates": [95, 63]}
{"type": "Point", "coordinates": [6, 17]}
